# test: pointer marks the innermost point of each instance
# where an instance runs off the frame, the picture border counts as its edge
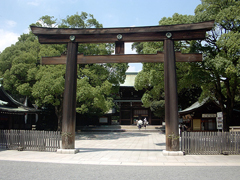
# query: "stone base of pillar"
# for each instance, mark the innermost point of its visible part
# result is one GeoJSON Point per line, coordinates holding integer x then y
{"type": "Point", "coordinates": [173, 153]}
{"type": "Point", "coordinates": [67, 151]}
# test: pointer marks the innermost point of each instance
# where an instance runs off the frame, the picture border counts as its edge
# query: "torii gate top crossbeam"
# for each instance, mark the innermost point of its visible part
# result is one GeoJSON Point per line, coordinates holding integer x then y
{"type": "Point", "coordinates": [128, 34]}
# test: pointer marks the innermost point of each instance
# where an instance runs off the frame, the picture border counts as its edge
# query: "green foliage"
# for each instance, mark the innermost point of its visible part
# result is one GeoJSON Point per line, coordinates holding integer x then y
{"type": "Point", "coordinates": [177, 19]}
{"type": "Point", "coordinates": [49, 86]}
{"type": "Point", "coordinates": [45, 21]}
{"type": "Point", "coordinates": [16, 61]}
{"type": "Point", "coordinates": [19, 65]}
{"type": "Point", "coordinates": [218, 74]}
{"type": "Point", "coordinates": [92, 99]}
{"type": "Point", "coordinates": [96, 83]}
{"type": "Point", "coordinates": [224, 12]}
{"type": "Point", "coordinates": [84, 20]}
{"type": "Point", "coordinates": [151, 78]}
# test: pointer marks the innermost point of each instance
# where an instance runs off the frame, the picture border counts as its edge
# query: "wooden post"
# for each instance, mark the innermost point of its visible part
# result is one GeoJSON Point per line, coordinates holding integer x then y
{"type": "Point", "coordinates": [119, 47]}
{"type": "Point", "coordinates": [171, 103]}
{"type": "Point", "coordinates": [69, 99]}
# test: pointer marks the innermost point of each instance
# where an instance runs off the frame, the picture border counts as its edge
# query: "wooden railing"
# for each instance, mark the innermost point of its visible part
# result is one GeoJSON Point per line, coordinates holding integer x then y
{"type": "Point", "coordinates": [234, 128]}
{"type": "Point", "coordinates": [30, 140]}
{"type": "Point", "coordinates": [210, 142]}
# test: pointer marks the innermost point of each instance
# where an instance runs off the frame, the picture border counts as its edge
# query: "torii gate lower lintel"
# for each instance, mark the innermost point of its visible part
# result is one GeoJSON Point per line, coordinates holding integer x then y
{"type": "Point", "coordinates": [120, 35]}
{"type": "Point", "coordinates": [122, 58]}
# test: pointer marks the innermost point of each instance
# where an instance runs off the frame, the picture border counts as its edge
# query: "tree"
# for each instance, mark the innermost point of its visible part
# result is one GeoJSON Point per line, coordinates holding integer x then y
{"type": "Point", "coordinates": [24, 77]}
{"type": "Point", "coordinates": [45, 84]}
{"type": "Point", "coordinates": [218, 74]}
{"type": "Point", "coordinates": [96, 82]}
{"type": "Point", "coordinates": [151, 78]}
{"type": "Point", "coordinates": [49, 88]}
{"type": "Point", "coordinates": [16, 61]}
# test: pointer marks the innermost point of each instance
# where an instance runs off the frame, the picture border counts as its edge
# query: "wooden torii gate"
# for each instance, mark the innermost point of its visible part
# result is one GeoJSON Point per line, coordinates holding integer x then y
{"type": "Point", "coordinates": [168, 34]}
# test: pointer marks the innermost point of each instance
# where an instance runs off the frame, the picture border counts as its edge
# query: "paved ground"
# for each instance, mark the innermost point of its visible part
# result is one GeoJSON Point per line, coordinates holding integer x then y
{"type": "Point", "coordinates": [121, 148]}
{"type": "Point", "coordinates": [18, 170]}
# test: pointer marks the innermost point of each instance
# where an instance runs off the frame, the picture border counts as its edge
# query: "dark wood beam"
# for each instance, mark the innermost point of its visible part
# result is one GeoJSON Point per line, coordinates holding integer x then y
{"type": "Point", "coordinates": [69, 98]}
{"type": "Point", "coordinates": [126, 58]}
{"type": "Point", "coordinates": [111, 38]}
{"type": "Point", "coordinates": [129, 34]}
{"type": "Point", "coordinates": [119, 47]}
{"type": "Point", "coordinates": [144, 29]}
{"type": "Point", "coordinates": [171, 99]}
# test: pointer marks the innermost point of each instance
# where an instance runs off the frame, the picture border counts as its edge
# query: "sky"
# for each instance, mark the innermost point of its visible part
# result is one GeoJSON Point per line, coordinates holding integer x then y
{"type": "Point", "coordinates": [17, 15]}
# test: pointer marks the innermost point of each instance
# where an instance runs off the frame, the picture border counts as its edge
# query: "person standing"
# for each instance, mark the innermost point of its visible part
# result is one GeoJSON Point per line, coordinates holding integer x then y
{"type": "Point", "coordinates": [139, 124]}
{"type": "Point", "coordinates": [145, 122]}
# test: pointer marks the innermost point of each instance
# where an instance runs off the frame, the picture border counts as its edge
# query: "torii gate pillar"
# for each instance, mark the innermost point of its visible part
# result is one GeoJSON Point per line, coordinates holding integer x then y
{"type": "Point", "coordinates": [171, 104]}
{"type": "Point", "coordinates": [69, 98]}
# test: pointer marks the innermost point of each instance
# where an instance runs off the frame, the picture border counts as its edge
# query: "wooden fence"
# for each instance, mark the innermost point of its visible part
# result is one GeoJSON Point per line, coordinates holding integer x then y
{"type": "Point", "coordinates": [30, 140]}
{"type": "Point", "coordinates": [210, 143]}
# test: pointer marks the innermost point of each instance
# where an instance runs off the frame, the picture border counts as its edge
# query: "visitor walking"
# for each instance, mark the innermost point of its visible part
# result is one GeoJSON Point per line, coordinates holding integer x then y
{"type": "Point", "coordinates": [139, 124]}
{"type": "Point", "coordinates": [145, 122]}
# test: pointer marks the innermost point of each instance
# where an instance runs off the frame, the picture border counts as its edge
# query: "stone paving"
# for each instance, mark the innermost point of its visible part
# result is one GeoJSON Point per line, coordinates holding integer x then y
{"type": "Point", "coordinates": [121, 148]}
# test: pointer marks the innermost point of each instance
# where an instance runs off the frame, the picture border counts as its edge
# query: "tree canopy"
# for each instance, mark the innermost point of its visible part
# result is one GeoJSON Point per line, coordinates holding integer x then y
{"type": "Point", "coordinates": [217, 75]}
{"type": "Point", "coordinates": [19, 65]}
{"type": "Point", "coordinates": [220, 68]}
{"type": "Point", "coordinates": [151, 78]}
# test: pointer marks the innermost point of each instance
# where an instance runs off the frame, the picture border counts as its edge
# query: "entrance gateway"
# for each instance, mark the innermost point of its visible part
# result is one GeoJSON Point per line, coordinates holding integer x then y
{"type": "Point", "coordinates": [168, 34]}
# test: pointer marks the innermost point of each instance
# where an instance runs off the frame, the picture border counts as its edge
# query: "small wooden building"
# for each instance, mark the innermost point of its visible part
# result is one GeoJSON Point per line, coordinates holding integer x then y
{"type": "Point", "coordinates": [205, 116]}
{"type": "Point", "coordinates": [15, 115]}
{"type": "Point", "coordinates": [130, 104]}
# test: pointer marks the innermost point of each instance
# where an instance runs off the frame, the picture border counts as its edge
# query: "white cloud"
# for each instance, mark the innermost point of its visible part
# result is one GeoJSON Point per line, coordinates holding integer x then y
{"type": "Point", "coordinates": [134, 67]}
{"type": "Point", "coordinates": [26, 31]}
{"type": "Point", "coordinates": [45, 25]}
{"type": "Point", "coordinates": [34, 3]}
{"type": "Point", "coordinates": [7, 39]}
{"type": "Point", "coordinates": [11, 23]}
{"type": "Point", "coordinates": [109, 16]}
{"type": "Point", "coordinates": [131, 68]}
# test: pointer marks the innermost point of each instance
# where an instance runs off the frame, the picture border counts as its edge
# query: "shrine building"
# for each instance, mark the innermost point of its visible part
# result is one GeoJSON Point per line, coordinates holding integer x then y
{"type": "Point", "coordinates": [130, 104]}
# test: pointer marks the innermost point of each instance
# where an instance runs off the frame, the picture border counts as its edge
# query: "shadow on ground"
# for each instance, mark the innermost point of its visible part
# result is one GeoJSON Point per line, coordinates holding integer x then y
{"type": "Point", "coordinates": [161, 144]}
{"type": "Point", "coordinates": [3, 149]}
{"type": "Point", "coordinates": [84, 150]}
{"type": "Point", "coordinates": [107, 135]}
